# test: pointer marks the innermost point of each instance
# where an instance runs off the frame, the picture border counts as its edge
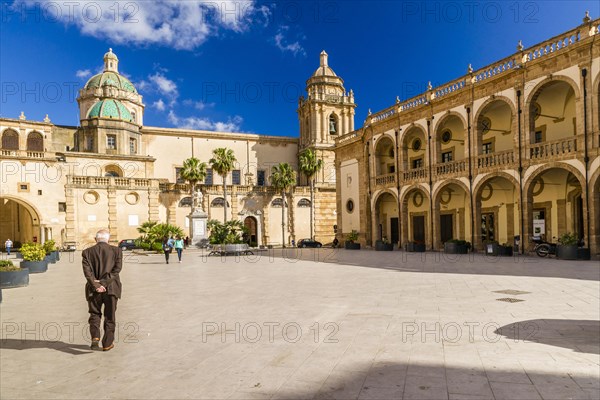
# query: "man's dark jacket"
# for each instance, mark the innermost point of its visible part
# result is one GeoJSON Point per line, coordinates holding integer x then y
{"type": "Point", "coordinates": [102, 262]}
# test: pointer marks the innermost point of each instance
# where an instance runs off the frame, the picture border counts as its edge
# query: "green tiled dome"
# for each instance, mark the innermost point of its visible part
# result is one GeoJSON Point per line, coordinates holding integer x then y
{"type": "Point", "coordinates": [108, 78]}
{"type": "Point", "coordinates": [110, 108]}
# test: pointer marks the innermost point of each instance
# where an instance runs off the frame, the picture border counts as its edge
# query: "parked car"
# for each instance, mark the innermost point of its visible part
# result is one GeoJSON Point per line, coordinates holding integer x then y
{"type": "Point", "coordinates": [127, 244]}
{"type": "Point", "coordinates": [69, 246]}
{"type": "Point", "coordinates": [309, 243]}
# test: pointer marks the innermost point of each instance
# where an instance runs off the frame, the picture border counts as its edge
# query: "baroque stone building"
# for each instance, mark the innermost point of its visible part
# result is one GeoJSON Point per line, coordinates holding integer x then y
{"type": "Point", "coordinates": [66, 182]}
{"type": "Point", "coordinates": [511, 149]}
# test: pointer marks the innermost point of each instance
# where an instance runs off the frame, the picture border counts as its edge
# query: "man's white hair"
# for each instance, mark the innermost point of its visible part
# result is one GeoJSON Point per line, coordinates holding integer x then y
{"type": "Point", "coordinates": [102, 236]}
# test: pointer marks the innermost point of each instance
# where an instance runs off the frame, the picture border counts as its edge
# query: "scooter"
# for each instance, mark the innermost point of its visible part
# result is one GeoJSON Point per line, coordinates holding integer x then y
{"type": "Point", "coordinates": [543, 248]}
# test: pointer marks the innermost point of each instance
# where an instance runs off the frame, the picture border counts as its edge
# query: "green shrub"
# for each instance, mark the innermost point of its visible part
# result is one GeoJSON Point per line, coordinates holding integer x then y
{"type": "Point", "coordinates": [230, 232]}
{"type": "Point", "coordinates": [157, 247]}
{"type": "Point", "coordinates": [32, 252]}
{"type": "Point", "coordinates": [49, 246]}
{"type": "Point", "coordinates": [568, 239]}
{"type": "Point", "coordinates": [352, 237]}
{"type": "Point", "coordinates": [7, 265]}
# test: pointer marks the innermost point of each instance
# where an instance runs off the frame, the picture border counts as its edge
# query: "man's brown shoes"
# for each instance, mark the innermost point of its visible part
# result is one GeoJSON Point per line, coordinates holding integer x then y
{"type": "Point", "coordinates": [95, 344]}
{"type": "Point", "coordinates": [108, 348]}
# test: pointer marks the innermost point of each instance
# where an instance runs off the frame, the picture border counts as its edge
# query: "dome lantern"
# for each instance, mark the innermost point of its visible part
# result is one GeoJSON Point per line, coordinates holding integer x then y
{"type": "Point", "coordinates": [111, 62]}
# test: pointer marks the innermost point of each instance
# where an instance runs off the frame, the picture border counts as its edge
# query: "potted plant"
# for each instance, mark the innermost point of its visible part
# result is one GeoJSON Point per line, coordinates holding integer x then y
{"type": "Point", "coordinates": [12, 276]}
{"type": "Point", "coordinates": [34, 258]}
{"type": "Point", "coordinates": [567, 248]}
{"type": "Point", "coordinates": [415, 247]}
{"type": "Point", "coordinates": [384, 245]}
{"type": "Point", "coordinates": [456, 246]}
{"type": "Point", "coordinates": [350, 241]}
{"type": "Point", "coordinates": [50, 249]}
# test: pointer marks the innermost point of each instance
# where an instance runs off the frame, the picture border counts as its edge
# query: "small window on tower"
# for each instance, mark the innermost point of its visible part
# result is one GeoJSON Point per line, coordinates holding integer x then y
{"type": "Point", "coordinates": [111, 142]}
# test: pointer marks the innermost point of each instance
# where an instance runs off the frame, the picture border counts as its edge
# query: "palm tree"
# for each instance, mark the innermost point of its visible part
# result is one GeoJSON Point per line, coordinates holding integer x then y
{"type": "Point", "coordinates": [193, 171]}
{"type": "Point", "coordinates": [282, 178]}
{"type": "Point", "coordinates": [309, 166]}
{"type": "Point", "coordinates": [222, 163]}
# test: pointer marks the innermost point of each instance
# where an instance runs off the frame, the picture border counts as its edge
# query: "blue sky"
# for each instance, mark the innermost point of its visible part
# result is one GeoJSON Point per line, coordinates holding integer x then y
{"type": "Point", "coordinates": [240, 66]}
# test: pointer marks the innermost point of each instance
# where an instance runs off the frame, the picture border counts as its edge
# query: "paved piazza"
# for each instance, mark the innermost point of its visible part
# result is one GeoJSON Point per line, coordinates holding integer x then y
{"type": "Point", "coordinates": [352, 324]}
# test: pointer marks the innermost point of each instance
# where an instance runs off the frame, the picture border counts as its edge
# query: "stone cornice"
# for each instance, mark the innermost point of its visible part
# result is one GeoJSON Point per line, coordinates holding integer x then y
{"type": "Point", "coordinates": [100, 156]}
{"type": "Point", "coordinates": [156, 131]}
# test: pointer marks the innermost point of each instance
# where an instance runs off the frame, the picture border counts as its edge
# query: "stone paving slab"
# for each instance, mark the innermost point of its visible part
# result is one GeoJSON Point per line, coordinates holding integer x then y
{"type": "Point", "coordinates": [328, 324]}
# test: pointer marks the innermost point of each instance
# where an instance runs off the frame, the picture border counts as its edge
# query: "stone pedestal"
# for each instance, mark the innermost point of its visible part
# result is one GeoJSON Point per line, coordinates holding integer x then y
{"type": "Point", "coordinates": [198, 229]}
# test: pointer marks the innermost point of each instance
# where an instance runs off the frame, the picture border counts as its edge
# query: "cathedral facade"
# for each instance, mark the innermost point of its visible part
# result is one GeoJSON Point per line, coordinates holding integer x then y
{"type": "Point", "coordinates": [500, 154]}
{"type": "Point", "coordinates": [112, 171]}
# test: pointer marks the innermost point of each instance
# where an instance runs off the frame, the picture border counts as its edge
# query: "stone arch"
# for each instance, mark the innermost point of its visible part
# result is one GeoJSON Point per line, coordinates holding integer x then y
{"type": "Point", "coordinates": [113, 170]}
{"type": "Point", "coordinates": [594, 207]}
{"type": "Point", "coordinates": [595, 106]}
{"type": "Point", "coordinates": [447, 182]}
{"type": "Point", "coordinates": [333, 124]}
{"type": "Point", "coordinates": [405, 147]}
{"type": "Point", "coordinates": [502, 229]}
{"type": "Point", "coordinates": [413, 214]}
{"type": "Point", "coordinates": [10, 139]}
{"type": "Point", "coordinates": [498, 174]}
{"type": "Point", "coordinates": [528, 202]}
{"type": "Point", "coordinates": [457, 148]}
{"type": "Point", "coordinates": [385, 155]}
{"type": "Point", "coordinates": [478, 135]}
{"type": "Point", "coordinates": [460, 216]}
{"type": "Point", "coordinates": [535, 92]}
{"type": "Point", "coordinates": [30, 224]}
{"type": "Point", "coordinates": [383, 217]}
{"type": "Point", "coordinates": [35, 141]}
{"type": "Point", "coordinates": [447, 115]}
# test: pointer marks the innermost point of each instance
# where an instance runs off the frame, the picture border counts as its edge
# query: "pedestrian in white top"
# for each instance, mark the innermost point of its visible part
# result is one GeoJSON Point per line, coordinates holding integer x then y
{"type": "Point", "coordinates": [8, 245]}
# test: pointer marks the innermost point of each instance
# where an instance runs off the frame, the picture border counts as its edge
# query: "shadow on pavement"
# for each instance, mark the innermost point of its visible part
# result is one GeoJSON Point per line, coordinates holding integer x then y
{"type": "Point", "coordinates": [18, 344]}
{"type": "Point", "coordinates": [439, 262]}
{"type": "Point", "coordinates": [582, 336]}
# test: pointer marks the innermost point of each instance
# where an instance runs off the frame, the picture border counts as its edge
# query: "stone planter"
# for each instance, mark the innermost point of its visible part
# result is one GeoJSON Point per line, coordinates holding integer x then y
{"type": "Point", "coordinates": [50, 258]}
{"type": "Point", "coordinates": [234, 248]}
{"type": "Point", "coordinates": [57, 255]}
{"type": "Point", "coordinates": [380, 246]}
{"type": "Point", "coordinates": [584, 254]}
{"type": "Point", "coordinates": [14, 279]}
{"type": "Point", "coordinates": [505, 251]}
{"type": "Point", "coordinates": [352, 246]}
{"type": "Point", "coordinates": [18, 255]}
{"type": "Point", "coordinates": [35, 267]}
{"type": "Point", "coordinates": [568, 252]}
{"type": "Point", "coordinates": [455, 248]}
{"type": "Point", "coordinates": [415, 247]}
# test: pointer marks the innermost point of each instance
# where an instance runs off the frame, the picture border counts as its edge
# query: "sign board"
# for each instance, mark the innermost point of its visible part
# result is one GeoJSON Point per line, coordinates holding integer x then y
{"type": "Point", "coordinates": [539, 227]}
{"type": "Point", "coordinates": [199, 227]}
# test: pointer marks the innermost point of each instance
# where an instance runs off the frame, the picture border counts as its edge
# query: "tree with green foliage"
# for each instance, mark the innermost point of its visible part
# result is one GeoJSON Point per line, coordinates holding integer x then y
{"type": "Point", "coordinates": [310, 165]}
{"type": "Point", "coordinates": [223, 162]}
{"type": "Point", "coordinates": [193, 171]}
{"type": "Point", "coordinates": [153, 233]}
{"type": "Point", "coordinates": [230, 232]}
{"type": "Point", "coordinates": [283, 177]}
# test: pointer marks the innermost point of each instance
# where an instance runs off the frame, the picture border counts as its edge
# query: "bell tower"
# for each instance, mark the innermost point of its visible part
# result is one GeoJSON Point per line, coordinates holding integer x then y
{"type": "Point", "coordinates": [325, 114]}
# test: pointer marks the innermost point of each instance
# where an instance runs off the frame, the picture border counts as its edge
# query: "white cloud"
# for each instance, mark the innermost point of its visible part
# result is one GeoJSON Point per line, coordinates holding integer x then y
{"type": "Point", "coordinates": [180, 24]}
{"type": "Point", "coordinates": [83, 73]}
{"type": "Point", "coordinates": [159, 105]}
{"type": "Point", "coordinates": [164, 85]}
{"type": "Point", "coordinates": [284, 45]}
{"type": "Point", "coordinates": [198, 105]}
{"type": "Point", "coordinates": [231, 125]}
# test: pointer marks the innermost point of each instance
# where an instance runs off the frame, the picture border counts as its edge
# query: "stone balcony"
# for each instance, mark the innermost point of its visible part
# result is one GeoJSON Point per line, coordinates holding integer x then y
{"type": "Point", "coordinates": [26, 154]}
{"type": "Point", "coordinates": [103, 182]}
{"type": "Point", "coordinates": [451, 168]}
{"type": "Point", "coordinates": [385, 181]}
{"type": "Point", "coordinates": [562, 148]}
{"type": "Point", "coordinates": [415, 175]}
{"type": "Point", "coordinates": [491, 161]}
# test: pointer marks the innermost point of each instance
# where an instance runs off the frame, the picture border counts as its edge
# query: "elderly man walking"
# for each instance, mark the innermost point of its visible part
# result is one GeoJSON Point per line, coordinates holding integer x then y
{"type": "Point", "coordinates": [101, 266]}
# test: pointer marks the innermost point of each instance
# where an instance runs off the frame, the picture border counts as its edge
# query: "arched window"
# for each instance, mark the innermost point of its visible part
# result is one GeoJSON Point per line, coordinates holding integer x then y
{"type": "Point", "coordinates": [113, 170]}
{"type": "Point", "coordinates": [277, 203]}
{"type": "Point", "coordinates": [218, 202]}
{"type": "Point", "coordinates": [304, 203]}
{"type": "Point", "coordinates": [35, 142]}
{"type": "Point", "coordinates": [185, 202]}
{"type": "Point", "coordinates": [333, 124]}
{"type": "Point", "coordinates": [10, 140]}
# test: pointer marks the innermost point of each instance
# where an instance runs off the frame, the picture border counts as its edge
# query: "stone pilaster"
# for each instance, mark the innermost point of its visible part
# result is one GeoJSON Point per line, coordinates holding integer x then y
{"type": "Point", "coordinates": [234, 203]}
{"type": "Point", "coordinates": [265, 219]}
{"type": "Point", "coordinates": [70, 215]}
{"type": "Point", "coordinates": [561, 205]}
{"type": "Point", "coordinates": [510, 223]}
{"type": "Point", "coordinates": [112, 212]}
{"type": "Point", "coordinates": [153, 193]}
